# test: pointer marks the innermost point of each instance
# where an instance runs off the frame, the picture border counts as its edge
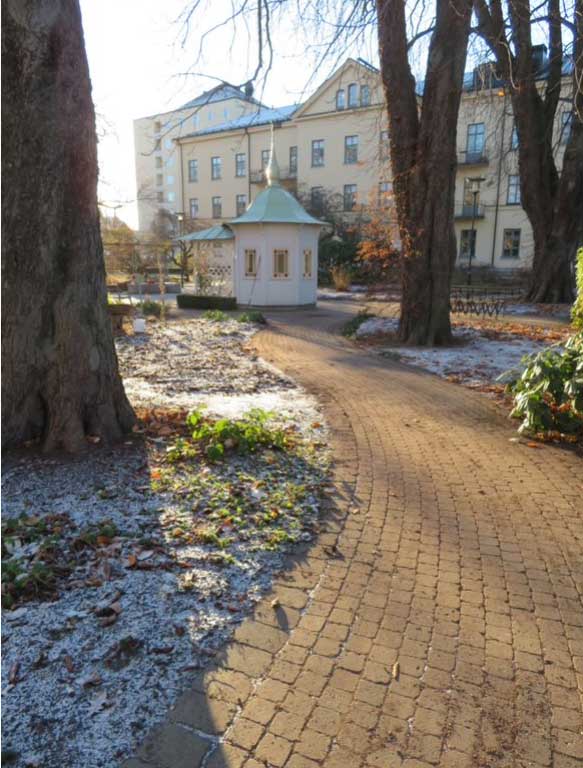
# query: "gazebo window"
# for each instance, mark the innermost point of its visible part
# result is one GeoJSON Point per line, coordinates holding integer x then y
{"type": "Point", "coordinates": [280, 263]}
{"type": "Point", "coordinates": [307, 262]}
{"type": "Point", "coordinates": [250, 262]}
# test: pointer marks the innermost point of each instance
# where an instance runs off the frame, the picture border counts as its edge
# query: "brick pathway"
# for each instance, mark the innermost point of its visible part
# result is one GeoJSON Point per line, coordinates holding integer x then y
{"type": "Point", "coordinates": [438, 621]}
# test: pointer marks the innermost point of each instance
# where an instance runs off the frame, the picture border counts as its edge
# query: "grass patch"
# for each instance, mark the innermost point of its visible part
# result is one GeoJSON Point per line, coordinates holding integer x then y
{"type": "Point", "coordinates": [253, 316]}
{"type": "Point", "coordinates": [151, 308]}
{"type": "Point", "coordinates": [215, 315]}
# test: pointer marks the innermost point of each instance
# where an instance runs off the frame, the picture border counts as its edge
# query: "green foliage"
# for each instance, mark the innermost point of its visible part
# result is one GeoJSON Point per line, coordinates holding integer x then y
{"type": "Point", "coordinates": [577, 311]}
{"type": "Point", "coordinates": [252, 316]}
{"type": "Point", "coordinates": [215, 315]}
{"type": "Point", "coordinates": [548, 397]}
{"type": "Point", "coordinates": [244, 435]}
{"type": "Point", "coordinates": [149, 307]}
{"type": "Point", "coordinates": [194, 301]}
{"type": "Point", "coordinates": [352, 326]}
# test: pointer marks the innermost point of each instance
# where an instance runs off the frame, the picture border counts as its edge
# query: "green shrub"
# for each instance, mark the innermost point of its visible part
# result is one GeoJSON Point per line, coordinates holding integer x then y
{"type": "Point", "coordinates": [352, 326]}
{"type": "Point", "coordinates": [548, 397]}
{"type": "Point", "coordinates": [252, 316]}
{"type": "Point", "coordinates": [150, 307]}
{"type": "Point", "coordinates": [577, 311]}
{"type": "Point", "coordinates": [215, 315]}
{"type": "Point", "coordinates": [192, 301]}
{"type": "Point", "coordinates": [244, 435]}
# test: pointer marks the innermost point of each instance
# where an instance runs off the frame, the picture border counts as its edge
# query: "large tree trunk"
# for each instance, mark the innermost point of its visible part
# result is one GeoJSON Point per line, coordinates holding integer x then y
{"type": "Point", "coordinates": [552, 199]}
{"type": "Point", "coordinates": [423, 161]}
{"type": "Point", "coordinates": [60, 375]}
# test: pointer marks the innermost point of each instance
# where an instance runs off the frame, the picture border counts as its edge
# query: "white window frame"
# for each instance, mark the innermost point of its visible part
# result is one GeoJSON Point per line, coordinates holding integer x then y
{"type": "Point", "coordinates": [353, 193]}
{"type": "Point", "coordinates": [352, 96]}
{"type": "Point", "coordinates": [216, 168]}
{"type": "Point", "coordinates": [318, 153]}
{"type": "Point", "coordinates": [514, 187]}
{"type": "Point", "coordinates": [284, 273]}
{"type": "Point", "coordinates": [351, 149]}
{"type": "Point", "coordinates": [193, 206]}
{"type": "Point", "coordinates": [513, 230]}
{"type": "Point", "coordinates": [243, 203]}
{"type": "Point", "coordinates": [340, 99]}
{"type": "Point", "coordinates": [220, 205]}
{"type": "Point", "coordinates": [365, 99]}
{"type": "Point", "coordinates": [248, 253]}
{"type": "Point", "coordinates": [240, 165]}
{"type": "Point", "coordinates": [192, 166]}
{"type": "Point", "coordinates": [308, 265]}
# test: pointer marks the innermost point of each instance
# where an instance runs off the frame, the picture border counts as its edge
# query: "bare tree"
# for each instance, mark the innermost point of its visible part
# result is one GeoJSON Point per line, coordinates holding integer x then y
{"type": "Point", "coordinates": [61, 379]}
{"type": "Point", "coordinates": [553, 201]}
{"type": "Point", "coordinates": [423, 130]}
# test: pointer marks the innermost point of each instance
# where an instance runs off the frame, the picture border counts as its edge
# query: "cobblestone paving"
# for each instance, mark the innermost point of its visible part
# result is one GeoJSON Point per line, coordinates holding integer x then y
{"type": "Point", "coordinates": [439, 618]}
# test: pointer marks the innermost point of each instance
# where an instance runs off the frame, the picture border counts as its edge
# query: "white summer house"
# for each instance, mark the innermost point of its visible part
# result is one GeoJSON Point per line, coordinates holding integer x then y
{"type": "Point", "coordinates": [274, 259]}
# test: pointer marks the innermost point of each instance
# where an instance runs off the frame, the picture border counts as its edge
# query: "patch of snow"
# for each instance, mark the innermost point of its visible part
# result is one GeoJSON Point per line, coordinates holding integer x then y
{"type": "Point", "coordinates": [479, 361]}
{"type": "Point", "coordinates": [76, 692]}
{"type": "Point", "coordinates": [376, 326]}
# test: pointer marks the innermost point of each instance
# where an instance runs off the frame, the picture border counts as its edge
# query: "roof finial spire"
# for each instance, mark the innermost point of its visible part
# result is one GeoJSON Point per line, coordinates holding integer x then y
{"type": "Point", "coordinates": [272, 170]}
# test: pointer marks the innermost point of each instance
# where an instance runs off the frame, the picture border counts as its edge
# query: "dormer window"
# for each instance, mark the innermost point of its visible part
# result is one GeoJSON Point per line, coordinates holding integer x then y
{"type": "Point", "coordinates": [340, 101]}
{"type": "Point", "coordinates": [353, 95]}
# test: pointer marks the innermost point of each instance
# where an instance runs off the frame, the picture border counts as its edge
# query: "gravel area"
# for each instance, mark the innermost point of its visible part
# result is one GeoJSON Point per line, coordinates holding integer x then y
{"type": "Point", "coordinates": [149, 564]}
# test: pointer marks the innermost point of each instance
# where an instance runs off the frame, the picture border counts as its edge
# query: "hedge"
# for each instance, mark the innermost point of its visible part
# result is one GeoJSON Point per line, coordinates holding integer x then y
{"type": "Point", "coordinates": [191, 301]}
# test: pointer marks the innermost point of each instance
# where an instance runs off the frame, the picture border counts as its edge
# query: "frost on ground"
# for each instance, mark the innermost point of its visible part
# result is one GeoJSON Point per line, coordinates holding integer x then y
{"type": "Point", "coordinates": [479, 357]}
{"type": "Point", "coordinates": [130, 569]}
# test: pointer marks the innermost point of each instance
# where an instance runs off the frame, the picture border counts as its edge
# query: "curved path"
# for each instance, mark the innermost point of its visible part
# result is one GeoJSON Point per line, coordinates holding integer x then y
{"type": "Point", "coordinates": [439, 618]}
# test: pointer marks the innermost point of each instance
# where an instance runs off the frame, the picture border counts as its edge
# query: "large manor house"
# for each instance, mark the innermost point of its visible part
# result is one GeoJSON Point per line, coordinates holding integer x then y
{"type": "Point", "coordinates": [205, 162]}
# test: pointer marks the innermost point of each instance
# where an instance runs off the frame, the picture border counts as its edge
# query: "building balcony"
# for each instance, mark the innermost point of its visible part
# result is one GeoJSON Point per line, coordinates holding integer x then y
{"type": "Point", "coordinates": [465, 211]}
{"type": "Point", "coordinates": [285, 174]}
{"type": "Point", "coordinates": [472, 158]}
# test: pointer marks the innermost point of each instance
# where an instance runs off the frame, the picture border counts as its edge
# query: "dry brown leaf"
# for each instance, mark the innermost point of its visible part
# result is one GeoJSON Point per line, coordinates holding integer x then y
{"type": "Point", "coordinates": [131, 562]}
{"type": "Point", "coordinates": [68, 661]}
{"type": "Point", "coordinates": [396, 670]}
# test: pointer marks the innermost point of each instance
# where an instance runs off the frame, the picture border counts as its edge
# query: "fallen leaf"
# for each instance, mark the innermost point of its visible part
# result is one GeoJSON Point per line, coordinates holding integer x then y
{"type": "Point", "coordinates": [131, 561]}
{"type": "Point", "coordinates": [533, 445]}
{"type": "Point", "coordinates": [13, 674]}
{"type": "Point", "coordinates": [68, 661]}
{"type": "Point", "coordinates": [396, 670]}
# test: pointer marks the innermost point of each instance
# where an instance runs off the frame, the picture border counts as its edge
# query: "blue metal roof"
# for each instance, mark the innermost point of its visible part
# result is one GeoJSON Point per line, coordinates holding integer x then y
{"type": "Point", "coordinates": [218, 232]}
{"type": "Point", "coordinates": [218, 93]}
{"type": "Point", "coordinates": [262, 116]}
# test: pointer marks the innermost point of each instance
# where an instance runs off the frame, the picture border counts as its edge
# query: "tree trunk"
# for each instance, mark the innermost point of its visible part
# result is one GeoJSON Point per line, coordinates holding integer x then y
{"type": "Point", "coordinates": [423, 161]}
{"type": "Point", "coordinates": [61, 380]}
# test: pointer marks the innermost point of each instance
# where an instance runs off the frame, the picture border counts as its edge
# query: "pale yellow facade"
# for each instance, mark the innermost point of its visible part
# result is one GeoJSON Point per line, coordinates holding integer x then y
{"type": "Point", "coordinates": [336, 142]}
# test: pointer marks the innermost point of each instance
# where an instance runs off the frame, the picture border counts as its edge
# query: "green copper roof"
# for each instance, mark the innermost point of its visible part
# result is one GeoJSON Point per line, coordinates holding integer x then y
{"type": "Point", "coordinates": [276, 206]}
{"type": "Point", "coordinates": [218, 232]}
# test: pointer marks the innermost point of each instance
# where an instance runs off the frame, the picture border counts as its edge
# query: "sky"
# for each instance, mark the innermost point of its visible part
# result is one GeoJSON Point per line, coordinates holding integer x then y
{"type": "Point", "coordinates": [136, 56]}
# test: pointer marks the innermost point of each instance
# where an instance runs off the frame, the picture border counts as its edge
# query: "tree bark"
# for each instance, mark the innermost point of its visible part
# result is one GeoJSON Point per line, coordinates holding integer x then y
{"type": "Point", "coordinates": [60, 374]}
{"type": "Point", "coordinates": [423, 160]}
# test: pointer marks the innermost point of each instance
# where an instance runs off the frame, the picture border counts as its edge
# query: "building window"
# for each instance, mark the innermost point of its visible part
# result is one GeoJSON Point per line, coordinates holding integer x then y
{"type": "Point", "coordinates": [293, 161]}
{"type": "Point", "coordinates": [316, 194]}
{"type": "Point", "coordinates": [514, 138]}
{"type": "Point", "coordinates": [158, 162]}
{"type": "Point", "coordinates": [511, 244]}
{"type": "Point", "coordinates": [216, 168]}
{"type": "Point", "coordinates": [307, 262]}
{"type": "Point", "coordinates": [169, 180]}
{"type": "Point", "coordinates": [240, 164]}
{"type": "Point", "coordinates": [250, 262]}
{"type": "Point", "coordinates": [475, 141]}
{"type": "Point", "coordinates": [513, 196]}
{"type": "Point", "coordinates": [157, 126]}
{"type": "Point", "coordinates": [350, 149]}
{"type": "Point", "coordinates": [217, 207]}
{"type": "Point", "coordinates": [171, 197]}
{"type": "Point", "coordinates": [264, 159]}
{"type": "Point", "coordinates": [364, 96]}
{"type": "Point", "coordinates": [566, 123]}
{"type": "Point", "coordinates": [353, 95]}
{"type": "Point", "coordinates": [318, 153]}
{"type": "Point", "coordinates": [349, 196]}
{"type": "Point", "coordinates": [340, 100]}
{"type": "Point", "coordinates": [241, 204]}
{"type": "Point", "coordinates": [168, 144]}
{"type": "Point", "coordinates": [193, 207]}
{"type": "Point", "coordinates": [157, 145]}
{"type": "Point", "coordinates": [160, 196]}
{"type": "Point", "coordinates": [280, 263]}
{"type": "Point", "coordinates": [193, 170]}
{"type": "Point", "coordinates": [385, 191]}
{"type": "Point", "coordinates": [159, 179]}
{"type": "Point", "coordinates": [467, 244]}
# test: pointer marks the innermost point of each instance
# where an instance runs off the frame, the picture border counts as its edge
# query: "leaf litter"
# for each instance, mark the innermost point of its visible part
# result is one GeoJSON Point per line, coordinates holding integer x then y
{"type": "Point", "coordinates": [127, 570]}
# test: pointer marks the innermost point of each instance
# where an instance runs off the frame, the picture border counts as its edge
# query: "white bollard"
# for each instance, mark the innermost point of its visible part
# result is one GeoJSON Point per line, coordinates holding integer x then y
{"type": "Point", "coordinates": [140, 325]}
